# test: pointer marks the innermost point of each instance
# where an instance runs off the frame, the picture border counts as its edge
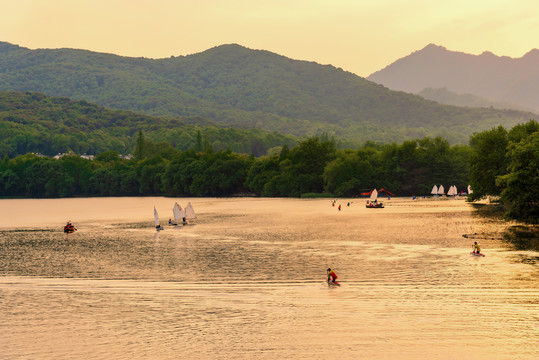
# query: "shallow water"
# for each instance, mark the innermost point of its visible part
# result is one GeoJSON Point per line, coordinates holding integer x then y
{"type": "Point", "coordinates": [246, 281]}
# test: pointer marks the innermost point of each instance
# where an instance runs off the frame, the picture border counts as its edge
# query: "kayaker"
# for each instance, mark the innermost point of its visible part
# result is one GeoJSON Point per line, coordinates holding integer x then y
{"type": "Point", "coordinates": [476, 248]}
{"type": "Point", "coordinates": [69, 227]}
{"type": "Point", "coordinates": [332, 276]}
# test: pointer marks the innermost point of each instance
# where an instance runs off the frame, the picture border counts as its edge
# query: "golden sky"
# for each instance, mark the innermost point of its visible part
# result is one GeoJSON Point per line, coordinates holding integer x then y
{"type": "Point", "coordinates": [360, 36]}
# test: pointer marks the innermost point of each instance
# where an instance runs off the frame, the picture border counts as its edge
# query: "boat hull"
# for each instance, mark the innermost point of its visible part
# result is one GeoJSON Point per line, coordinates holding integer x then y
{"type": "Point", "coordinates": [476, 254]}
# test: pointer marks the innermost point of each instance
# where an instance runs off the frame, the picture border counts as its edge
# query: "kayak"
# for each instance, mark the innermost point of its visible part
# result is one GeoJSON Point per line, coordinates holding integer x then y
{"type": "Point", "coordinates": [476, 254]}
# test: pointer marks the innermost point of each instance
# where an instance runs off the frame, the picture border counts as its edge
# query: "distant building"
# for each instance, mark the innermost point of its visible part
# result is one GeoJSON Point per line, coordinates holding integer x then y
{"type": "Point", "coordinates": [127, 157]}
{"type": "Point", "coordinates": [58, 156]}
{"type": "Point", "coordinates": [89, 157]}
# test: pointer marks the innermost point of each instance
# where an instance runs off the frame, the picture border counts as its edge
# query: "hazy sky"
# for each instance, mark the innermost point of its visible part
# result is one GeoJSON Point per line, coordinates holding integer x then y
{"type": "Point", "coordinates": [361, 36]}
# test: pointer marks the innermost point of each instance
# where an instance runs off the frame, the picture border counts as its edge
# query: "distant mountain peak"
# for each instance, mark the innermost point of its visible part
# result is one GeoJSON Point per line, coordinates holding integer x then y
{"type": "Point", "coordinates": [432, 46]}
{"type": "Point", "coordinates": [533, 54]}
{"type": "Point", "coordinates": [487, 54]}
{"type": "Point", "coordinates": [498, 78]}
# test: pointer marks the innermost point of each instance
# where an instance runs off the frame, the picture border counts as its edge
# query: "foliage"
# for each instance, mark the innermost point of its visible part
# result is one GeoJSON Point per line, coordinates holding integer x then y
{"type": "Point", "coordinates": [487, 161]}
{"type": "Point", "coordinates": [506, 163]}
{"type": "Point", "coordinates": [521, 183]}
{"type": "Point", "coordinates": [32, 122]}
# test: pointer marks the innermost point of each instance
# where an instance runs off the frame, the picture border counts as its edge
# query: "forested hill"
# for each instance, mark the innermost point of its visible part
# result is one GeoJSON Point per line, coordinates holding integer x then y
{"type": "Point", "coordinates": [245, 88]}
{"type": "Point", "coordinates": [33, 122]}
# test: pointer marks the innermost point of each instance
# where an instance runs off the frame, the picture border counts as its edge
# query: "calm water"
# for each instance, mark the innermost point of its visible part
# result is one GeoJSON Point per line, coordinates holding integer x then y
{"type": "Point", "coordinates": [246, 281]}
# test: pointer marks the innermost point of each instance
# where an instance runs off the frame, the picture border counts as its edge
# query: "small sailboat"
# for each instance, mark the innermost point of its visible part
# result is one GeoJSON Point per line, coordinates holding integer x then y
{"type": "Point", "coordinates": [452, 191]}
{"type": "Point", "coordinates": [373, 201]}
{"type": "Point", "coordinates": [179, 215]}
{"type": "Point", "coordinates": [156, 216]}
{"type": "Point", "coordinates": [190, 212]}
{"type": "Point", "coordinates": [441, 190]}
{"type": "Point", "coordinates": [470, 191]}
{"type": "Point", "coordinates": [434, 190]}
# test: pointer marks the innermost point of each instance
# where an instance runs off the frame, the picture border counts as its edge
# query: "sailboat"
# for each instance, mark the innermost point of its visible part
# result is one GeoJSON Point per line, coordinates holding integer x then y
{"type": "Point", "coordinates": [373, 201]}
{"type": "Point", "coordinates": [470, 191]}
{"type": "Point", "coordinates": [156, 216]}
{"type": "Point", "coordinates": [434, 190]}
{"type": "Point", "coordinates": [441, 190]}
{"type": "Point", "coordinates": [179, 215]}
{"type": "Point", "coordinates": [190, 212]}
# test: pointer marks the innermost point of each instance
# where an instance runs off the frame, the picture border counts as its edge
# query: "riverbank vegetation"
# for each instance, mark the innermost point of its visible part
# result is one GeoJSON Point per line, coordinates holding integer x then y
{"type": "Point", "coordinates": [497, 162]}
{"type": "Point", "coordinates": [505, 163]}
{"type": "Point", "coordinates": [314, 166]}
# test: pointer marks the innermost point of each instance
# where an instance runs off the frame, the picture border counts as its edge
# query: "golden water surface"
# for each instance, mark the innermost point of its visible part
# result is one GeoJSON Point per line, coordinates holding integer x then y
{"type": "Point", "coordinates": [246, 280]}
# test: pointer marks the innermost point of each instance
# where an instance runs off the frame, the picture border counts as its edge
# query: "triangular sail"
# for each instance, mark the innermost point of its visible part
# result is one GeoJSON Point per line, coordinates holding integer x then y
{"type": "Point", "coordinates": [434, 190]}
{"type": "Point", "coordinates": [178, 212]}
{"type": "Point", "coordinates": [374, 195]}
{"type": "Point", "coordinates": [441, 190]}
{"type": "Point", "coordinates": [469, 190]}
{"type": "Point", "coordinates": [190, 212]}
{"type": "Point", "coordinates": [156, 217]}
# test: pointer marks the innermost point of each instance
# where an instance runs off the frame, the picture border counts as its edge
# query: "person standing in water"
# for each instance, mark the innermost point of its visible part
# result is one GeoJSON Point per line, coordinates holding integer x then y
{"type": "Point", "coordinates": [476, 248]}
{"type": "Point", "coordinates": [332, 276]}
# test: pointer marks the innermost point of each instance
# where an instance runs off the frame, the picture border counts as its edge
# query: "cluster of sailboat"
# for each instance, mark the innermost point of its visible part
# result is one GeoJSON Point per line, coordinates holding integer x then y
{"type": "Point", "coordinates": [451, 192]}
{"type": "Point", "coordinates": [180, 216]}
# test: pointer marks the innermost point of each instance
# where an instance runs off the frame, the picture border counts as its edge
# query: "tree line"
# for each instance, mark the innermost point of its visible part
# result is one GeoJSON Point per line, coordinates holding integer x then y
{"type": "Point", "coordinates": [497, 162]}
{"type": "Point", "coordinates": [505, 163]}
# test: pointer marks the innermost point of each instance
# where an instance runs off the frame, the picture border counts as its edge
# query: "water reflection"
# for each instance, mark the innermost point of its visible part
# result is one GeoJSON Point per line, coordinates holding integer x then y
{"type": "Point", "coordinates": [248, 282]}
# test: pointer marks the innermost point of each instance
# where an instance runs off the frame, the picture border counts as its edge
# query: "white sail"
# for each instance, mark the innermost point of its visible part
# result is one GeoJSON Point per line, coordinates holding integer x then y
{"type": "Point", "coordinates": [190, 212]}
{"type": "Point", "coordinates": [156, 217]}
{"type": "Point", "coordinates": [374, 195]}
{"type": "Point", "coordinates": [179, 213]}
{"type": "Point", "coordinates": [469, 190]}
{"type": "Point", "coordinates": [434, 190]}
{"type": "Point", "coordinates": [441, 190]}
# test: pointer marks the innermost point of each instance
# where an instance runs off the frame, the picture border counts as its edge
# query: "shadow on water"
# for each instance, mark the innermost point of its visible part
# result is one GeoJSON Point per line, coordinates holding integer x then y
{"type": "Point", "coordinates": [491, 210]}
{"type": "Point", "coordinates": [523, 237]}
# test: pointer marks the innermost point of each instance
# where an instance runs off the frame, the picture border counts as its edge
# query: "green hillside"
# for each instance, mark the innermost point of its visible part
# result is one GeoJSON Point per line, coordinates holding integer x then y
{"type": "Point", "coordinates": [33, 122]}
{"type": "Point", "coordinates": [245, 88]}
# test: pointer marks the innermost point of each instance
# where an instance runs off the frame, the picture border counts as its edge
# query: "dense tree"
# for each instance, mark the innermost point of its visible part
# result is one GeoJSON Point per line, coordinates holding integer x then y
{"type": "Point", "coordinates": [507, 163]}
{"type": "Point", "coordinates": [487, 161]}
{"type": "Point", "coordinates": [32, 122]}
{"type": "Point", "coordinates": [521, 183]}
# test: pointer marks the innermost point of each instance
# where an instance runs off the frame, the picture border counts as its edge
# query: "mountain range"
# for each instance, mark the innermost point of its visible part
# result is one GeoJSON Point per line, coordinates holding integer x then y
{"type": "Point", "coordinates": [512, 81]}
{"type": "Point", "coordinates": [231, 85]}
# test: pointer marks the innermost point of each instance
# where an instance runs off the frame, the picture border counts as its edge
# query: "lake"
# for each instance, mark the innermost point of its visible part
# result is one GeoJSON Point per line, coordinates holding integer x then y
{"type": "Point", "coordinates": [246, 280]}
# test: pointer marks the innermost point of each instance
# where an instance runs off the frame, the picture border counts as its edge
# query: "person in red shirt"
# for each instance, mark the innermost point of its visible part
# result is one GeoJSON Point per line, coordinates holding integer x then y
{"type": "Point", "coordinates": [332, 276]}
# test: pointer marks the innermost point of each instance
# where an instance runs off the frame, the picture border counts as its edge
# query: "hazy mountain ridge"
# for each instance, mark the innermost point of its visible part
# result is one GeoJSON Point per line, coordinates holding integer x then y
{"type": "Point", "coordinates": [246, 88]}
{"type": "Point", "coordinates": [444, 96]}
{"type": "Point", "coordinates": [496, 78]}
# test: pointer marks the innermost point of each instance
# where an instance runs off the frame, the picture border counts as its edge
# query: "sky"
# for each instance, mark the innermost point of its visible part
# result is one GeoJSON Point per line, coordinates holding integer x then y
{"type": "Point", "coordinates": [360, 36]}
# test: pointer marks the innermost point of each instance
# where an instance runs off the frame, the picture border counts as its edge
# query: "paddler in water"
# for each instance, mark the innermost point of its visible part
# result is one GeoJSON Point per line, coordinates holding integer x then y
{"type": "Point", "coordinates": [332, 276]}
{"type": "Point", "coordinates": [476, 248]}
